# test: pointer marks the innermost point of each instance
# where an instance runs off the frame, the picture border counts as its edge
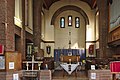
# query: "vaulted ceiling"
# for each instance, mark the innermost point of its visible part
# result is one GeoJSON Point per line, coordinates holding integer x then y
{"type": "Point", "coordinates": [48, 3]}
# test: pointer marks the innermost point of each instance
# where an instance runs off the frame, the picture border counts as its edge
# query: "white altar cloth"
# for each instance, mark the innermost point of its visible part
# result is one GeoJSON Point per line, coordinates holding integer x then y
{"type": "Point", "coordinates": [69, 68]}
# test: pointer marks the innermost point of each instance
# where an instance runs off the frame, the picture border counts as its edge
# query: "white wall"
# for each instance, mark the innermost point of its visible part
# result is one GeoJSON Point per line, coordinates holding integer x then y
{"type": "Point", "coordinates": [54, 7]}
{"type": "Point", "coordinates": [62, 36]}
{"type": "Point", "coordinates": [50, 29]}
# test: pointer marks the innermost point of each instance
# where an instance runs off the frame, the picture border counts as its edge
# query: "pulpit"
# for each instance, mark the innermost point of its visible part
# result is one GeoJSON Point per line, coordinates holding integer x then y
{"type": "Point", "coordinates": [115, 68]}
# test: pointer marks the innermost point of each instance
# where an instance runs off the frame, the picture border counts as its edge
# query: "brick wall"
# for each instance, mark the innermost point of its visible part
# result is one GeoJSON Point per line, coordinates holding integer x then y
{"type": "Point", "coordinates": [7, 24]}
{"type": "Point", "coordinates": [10, 43]}
{"type": "Point", "coordinates": [2, 21]}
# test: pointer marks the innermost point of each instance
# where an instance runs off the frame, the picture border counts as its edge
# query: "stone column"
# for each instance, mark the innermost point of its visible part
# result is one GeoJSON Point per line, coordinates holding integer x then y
{"type": "Point", "coordinates": [103, 26]}
{"type": "Point", "coordinates": [37, 23]}
{"type": "Point", "coordinates": [7, 26]}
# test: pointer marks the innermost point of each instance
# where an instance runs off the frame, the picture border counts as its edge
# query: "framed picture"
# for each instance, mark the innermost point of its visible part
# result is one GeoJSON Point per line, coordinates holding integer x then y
{"type": "Point", "coordinates": [2, 62]}
{"type": "Point", "coordinates": [1, 49]}
{"type": "Point", "coordinates": [77, 22]}
{"type": "Point", "coordinates": [69, 20]}
{"type": "Point", "coordinates": [62, 22]}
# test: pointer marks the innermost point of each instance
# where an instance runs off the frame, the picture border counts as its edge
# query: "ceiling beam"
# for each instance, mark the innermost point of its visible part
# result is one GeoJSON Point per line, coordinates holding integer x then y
{"type": "Point", "coordinates": [94, 4]}
{"type": "Point", "coordinates": [45, 4]}
{"type": "Point", "coordinates": [48, 3]}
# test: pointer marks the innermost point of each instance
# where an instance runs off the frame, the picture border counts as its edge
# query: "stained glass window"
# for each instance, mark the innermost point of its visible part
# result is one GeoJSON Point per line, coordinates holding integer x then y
{"type": "Point", "coordinates": [62, 22]}
{"type": "Point", "coordinates": [70, 20]}
{"type": "Point", "coordinates": [77, 22]}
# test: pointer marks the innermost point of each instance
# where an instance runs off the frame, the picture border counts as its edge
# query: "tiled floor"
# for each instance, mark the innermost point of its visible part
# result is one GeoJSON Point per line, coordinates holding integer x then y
{"type": "Point", "coordinates": [58, 75]}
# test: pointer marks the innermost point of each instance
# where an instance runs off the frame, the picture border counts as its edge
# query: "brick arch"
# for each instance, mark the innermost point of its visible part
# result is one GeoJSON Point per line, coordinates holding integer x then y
{"type": "Point", "coordinates": [69, 7]}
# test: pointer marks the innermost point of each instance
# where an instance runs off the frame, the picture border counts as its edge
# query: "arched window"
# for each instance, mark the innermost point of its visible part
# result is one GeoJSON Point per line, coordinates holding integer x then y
{"type": "Point", "coordinates": [69, 20]}
{"type": "Point", "coordinates": [77, 22]}
{"type": "Point", "coordinates": [62, 22]}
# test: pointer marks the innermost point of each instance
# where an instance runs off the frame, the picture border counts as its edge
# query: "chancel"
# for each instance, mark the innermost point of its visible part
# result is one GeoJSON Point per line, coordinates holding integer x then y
{"type": "Point", "coordinates": [59, 39]}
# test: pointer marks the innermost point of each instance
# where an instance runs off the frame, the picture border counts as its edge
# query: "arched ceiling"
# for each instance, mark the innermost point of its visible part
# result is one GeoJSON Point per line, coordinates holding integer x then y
{"type": "Point", "coordinates": [48, 3]}
{"type": "Point", "coordinates": [69, 7]}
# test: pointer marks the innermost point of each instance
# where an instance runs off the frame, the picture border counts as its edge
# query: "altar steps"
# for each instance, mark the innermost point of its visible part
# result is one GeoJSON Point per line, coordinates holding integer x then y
{"type": "Point", "coordinates": [58, 75]}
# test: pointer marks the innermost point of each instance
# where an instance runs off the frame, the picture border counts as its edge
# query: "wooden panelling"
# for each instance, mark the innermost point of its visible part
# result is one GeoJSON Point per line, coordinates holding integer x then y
{"type": "Point", "coordinates": [114, 35]}
{"type": "Point", "coordinates": [13, 57]}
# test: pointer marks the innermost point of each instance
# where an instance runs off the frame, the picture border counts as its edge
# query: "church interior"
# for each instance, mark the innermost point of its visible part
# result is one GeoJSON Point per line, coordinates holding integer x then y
{"type": "Point", "coordinates": [59, 40]}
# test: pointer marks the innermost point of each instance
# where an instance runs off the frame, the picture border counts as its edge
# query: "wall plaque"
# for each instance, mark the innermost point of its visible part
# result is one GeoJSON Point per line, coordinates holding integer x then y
{"type": "Point", "coordinates": [15, 76]}
{"type": "Point", "coordinates": [92, 67]}
{"type": "Point", "coordinates": [93, 76]}
{"type": "Point", "coordinates": [11, 65]}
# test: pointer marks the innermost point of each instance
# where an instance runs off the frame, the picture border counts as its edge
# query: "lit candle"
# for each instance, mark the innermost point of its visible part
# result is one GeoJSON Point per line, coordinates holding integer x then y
{"type": "Point", "coordinates": [70, 61]}
{"type": "Point", "coordinates": [77, 59]}
{"type": "Point", "coordinates": [27, 65]}
{"type": "Point", "coordinates": [46, 66]}
{"type": "Point", "coordinates": [61, 58]}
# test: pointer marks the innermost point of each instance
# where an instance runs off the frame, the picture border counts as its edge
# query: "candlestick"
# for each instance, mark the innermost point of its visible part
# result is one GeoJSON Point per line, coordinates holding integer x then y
{"type": "Point", "coordinates": [77, 59]}
{"type": "Point", "coordinates": [27, 65]}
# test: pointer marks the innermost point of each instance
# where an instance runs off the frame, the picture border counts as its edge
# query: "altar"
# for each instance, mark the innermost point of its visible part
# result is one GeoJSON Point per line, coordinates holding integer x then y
{"type": "Point", "coordinates": [69, 68]}
{"type": "Point", "coordinates": [69, 63]}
